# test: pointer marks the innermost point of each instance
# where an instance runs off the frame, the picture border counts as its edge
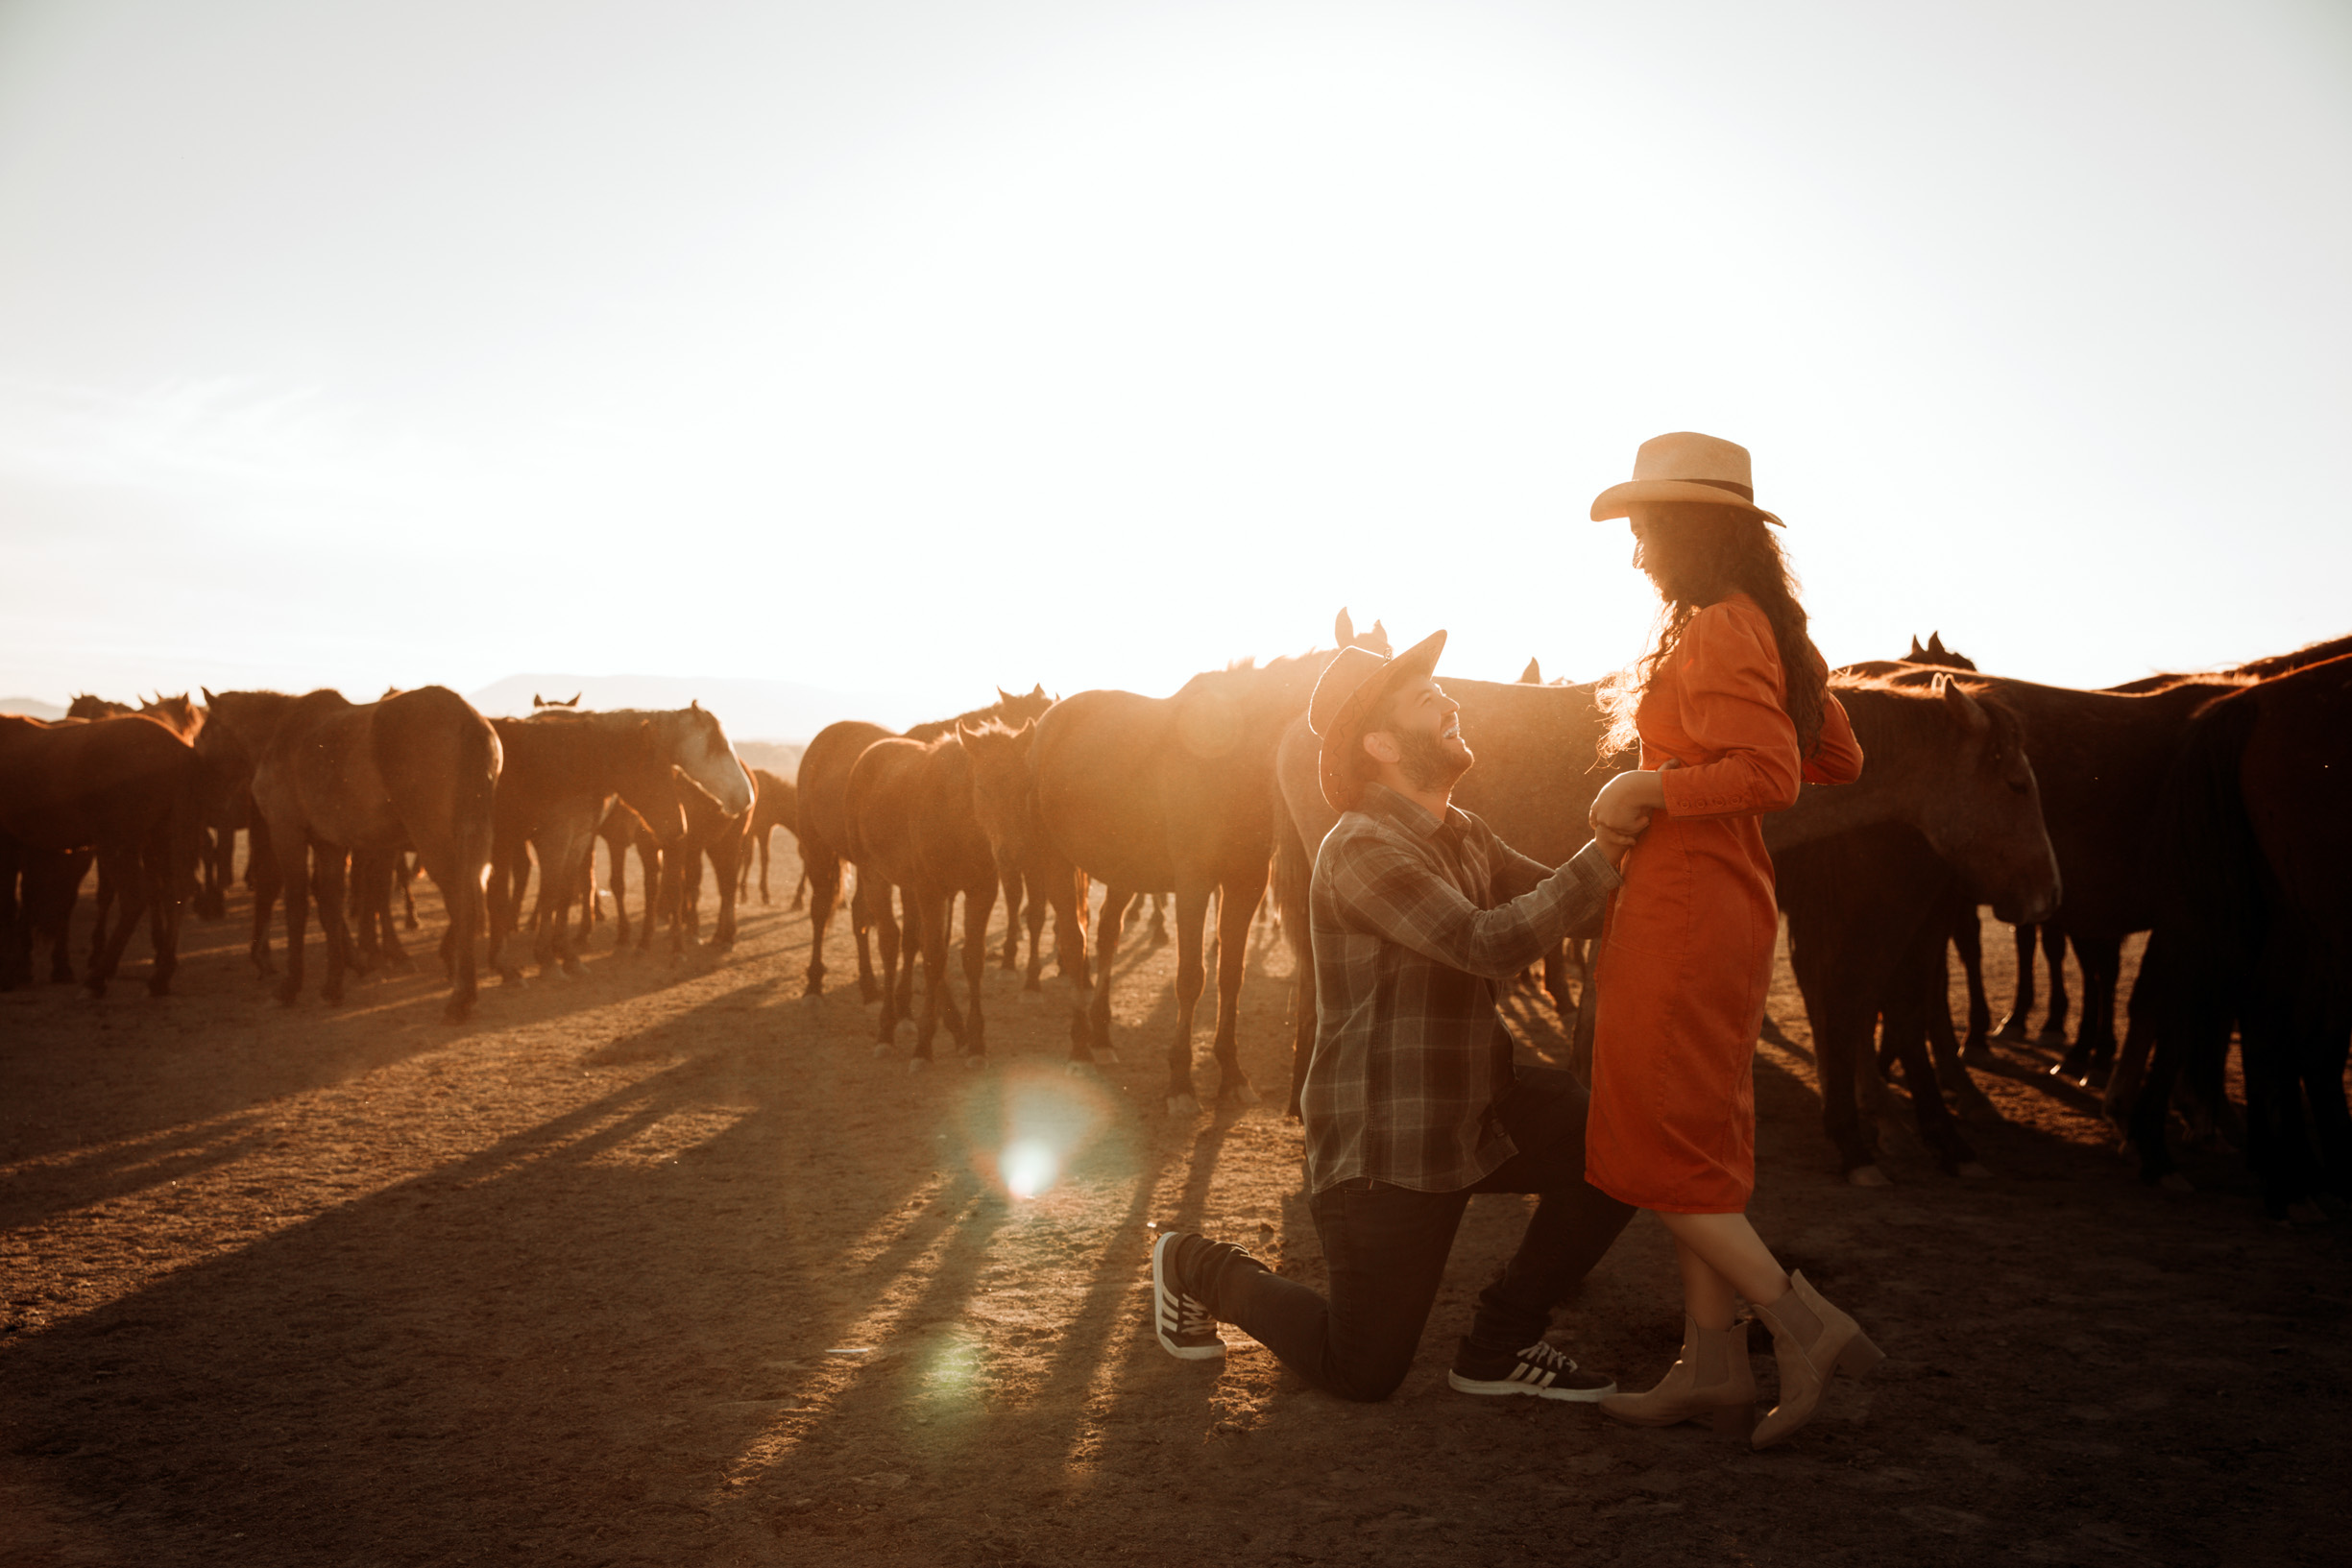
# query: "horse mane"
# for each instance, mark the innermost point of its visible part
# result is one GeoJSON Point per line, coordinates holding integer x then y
{"type": "Point", "coordinates": [1917, 712]}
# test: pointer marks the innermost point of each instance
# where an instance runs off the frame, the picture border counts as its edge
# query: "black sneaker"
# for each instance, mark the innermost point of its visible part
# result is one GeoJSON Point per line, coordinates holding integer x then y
{"type": "Point", "coordinates": [1186, 1331]}
{"type": "Point", "coordinates": [1542, 1369]}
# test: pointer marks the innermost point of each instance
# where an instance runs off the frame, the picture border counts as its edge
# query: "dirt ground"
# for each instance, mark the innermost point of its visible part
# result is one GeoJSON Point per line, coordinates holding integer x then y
{"type": "Point", "coordinates": [663, 1266]}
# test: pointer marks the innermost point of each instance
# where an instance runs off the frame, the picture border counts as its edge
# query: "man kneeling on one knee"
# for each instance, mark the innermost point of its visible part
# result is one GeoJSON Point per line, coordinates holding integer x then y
{"type": "Point", "coordinates": [1418, 912]}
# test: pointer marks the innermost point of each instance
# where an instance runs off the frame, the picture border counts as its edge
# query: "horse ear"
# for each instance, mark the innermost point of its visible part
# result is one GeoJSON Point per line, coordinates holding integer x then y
{"type": "Point", "coordinates": [1037, 689]}
{"type": "Point", "coordinates": [1344, 629]}
{"type": "Point", "coordinates": [1935, 644]}
{"type": "Point", "coordinates": [695, 706]}
{"type": "Point", "coordinates": [210, 699]}
{"type": "Point", "coordinates": [1917, 652]}
{"type": "Point", "coordinates": [1532, 675]}
{"type": "Point", "coordinates": [575, 699]}
{"type": "Point", "coordinates": [1956, 697]}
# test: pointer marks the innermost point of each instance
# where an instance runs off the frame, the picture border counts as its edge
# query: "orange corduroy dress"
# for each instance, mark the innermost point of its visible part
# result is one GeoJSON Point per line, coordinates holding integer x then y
{"type": "Point", "coordinates": [1686, 956]}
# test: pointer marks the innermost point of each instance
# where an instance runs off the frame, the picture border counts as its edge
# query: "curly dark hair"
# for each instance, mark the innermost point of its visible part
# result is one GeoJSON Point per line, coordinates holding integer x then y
{"type": "Point", "coordinates": [1697, 555]}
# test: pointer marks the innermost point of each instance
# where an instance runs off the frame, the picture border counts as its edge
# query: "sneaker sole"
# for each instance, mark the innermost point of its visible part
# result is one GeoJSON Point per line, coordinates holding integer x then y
{"type": "Point", "coordinates": [1484, 1386]}
{"type": "Point", "coordinates": [1160, 1293]}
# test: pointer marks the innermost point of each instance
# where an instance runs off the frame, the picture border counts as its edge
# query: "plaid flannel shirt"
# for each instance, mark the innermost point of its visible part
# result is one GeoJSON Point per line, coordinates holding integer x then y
{"type": "Point", "coordinates": [1414, 923]}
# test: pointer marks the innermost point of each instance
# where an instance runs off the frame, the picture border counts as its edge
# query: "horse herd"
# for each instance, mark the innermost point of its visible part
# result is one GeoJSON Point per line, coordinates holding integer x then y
{"type": "Point", "coordinates": [2209, 811]}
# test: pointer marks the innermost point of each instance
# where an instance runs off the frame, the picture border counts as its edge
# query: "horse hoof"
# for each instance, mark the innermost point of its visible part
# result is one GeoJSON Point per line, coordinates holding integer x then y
{"type": "Point", "coordinates": [918, 1064]}
{"type": "Point", "coordinates": [1867, 1175]}
{"type": "Point", "coordinates": [1080, 1070]}
{"type": "Point", "coordinates": [1974, 1171]}
{"type": "Point", "coordinates": [2173, 1181]}
{"type": "Point", "coordinates": [868, 991]}
{"type": "Point", "coordinates": [883, 1048]}
{"type": "Point", "coordinates": [511, 977]}
{"type": "Point", "coordinates": [1033, 983]}
{"type": "Point", "coordinates": [1183, 1105]}
{"type": "Point", "coordinates": [1239, 1093]}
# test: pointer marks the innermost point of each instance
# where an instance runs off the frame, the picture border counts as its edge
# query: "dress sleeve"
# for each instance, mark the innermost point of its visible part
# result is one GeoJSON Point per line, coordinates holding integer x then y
{"type": "Point", "coordinates": [1838, 757]}
{"type": "Point", "coordinates": [1728, 683]}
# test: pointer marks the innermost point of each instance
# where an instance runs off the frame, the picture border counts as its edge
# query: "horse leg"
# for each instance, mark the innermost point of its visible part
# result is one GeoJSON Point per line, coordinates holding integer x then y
{"type": "Point", "coordinates": [2053, 954]}
{"type": "Point", "coordinates": [800, 889]}
{"type": "Point", "coordinates": [862, 906]}
{"type": "Point", "coordinates": [927, 918]}
{"type": "Point", "coordinates": [1192, 913]}
{"type": "Point", "coordinates": [328, 863]}
{"type": "Point", "coordinates": [909, 947]}
{"type": "Point", "coordinates": [1921, 1016]}
{"type": "Point", "coordinates": [1011, 880]}
{"type": "Point", "coordinates": [979, 907]}
{"type": "Point", "coordinates": [294, 887]}
{"type": "Point", "coordinates": [1967, 938]}
{"type": "Point", "coordinates": [265, 875]}
{"type": "Point", "coordinates": [1033, 912]}
{"type": "Point", "coordinates": [1094, 1001]}
{"type": "Point", "coordinates": [823, 869]}
{"type": "Point", "coordinates": [727, 859]}
{"type": "Point", "coordinates": [167, 892]}
{"type": "Point", "coordinates": [117, 871]}
{"type": "Point", "coordinates": [2021, 1007]}
{"type": "Point", "coordinates": [498, 904]}
{"type": "Point", "coordinates": [881, 917]}
{"type": "Point", "coordinates": [1237, 908]}
{"type": "Point", "coordinates": [2100, 958]}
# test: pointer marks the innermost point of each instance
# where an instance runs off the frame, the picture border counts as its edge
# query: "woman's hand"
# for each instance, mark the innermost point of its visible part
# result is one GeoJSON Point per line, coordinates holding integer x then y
{"type": "Point", "coordinates": [1622, 810]}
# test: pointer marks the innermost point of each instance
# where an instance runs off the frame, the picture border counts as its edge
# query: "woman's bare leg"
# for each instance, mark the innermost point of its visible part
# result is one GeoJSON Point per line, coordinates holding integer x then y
{"type": "Point", "coordinates": [1720, 1253]}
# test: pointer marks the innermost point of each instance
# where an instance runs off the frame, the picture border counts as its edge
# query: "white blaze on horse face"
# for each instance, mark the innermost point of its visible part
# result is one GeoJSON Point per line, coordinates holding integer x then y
{"type": "Point", "coordinates": [720, 773]}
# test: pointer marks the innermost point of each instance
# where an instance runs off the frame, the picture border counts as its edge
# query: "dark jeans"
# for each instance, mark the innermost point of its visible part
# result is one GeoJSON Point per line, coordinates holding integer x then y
{"type": "Point", "coordinates": [1386, 1245]}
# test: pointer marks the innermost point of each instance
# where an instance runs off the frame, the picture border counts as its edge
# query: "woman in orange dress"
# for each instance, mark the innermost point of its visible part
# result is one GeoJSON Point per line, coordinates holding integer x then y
{"type": "Point", "coordinates": [1732, 709]}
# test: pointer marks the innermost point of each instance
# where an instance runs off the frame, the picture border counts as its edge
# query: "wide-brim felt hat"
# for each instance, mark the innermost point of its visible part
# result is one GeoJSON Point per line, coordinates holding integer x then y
{"type": "Point", "coordinates": [1350, 690]}
{"type": "Point", "coordinates": [1684, 467]}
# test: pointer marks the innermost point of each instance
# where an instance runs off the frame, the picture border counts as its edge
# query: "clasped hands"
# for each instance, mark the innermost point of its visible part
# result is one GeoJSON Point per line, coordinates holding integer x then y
{"type": "Point", "coordinates": [1621, 810]}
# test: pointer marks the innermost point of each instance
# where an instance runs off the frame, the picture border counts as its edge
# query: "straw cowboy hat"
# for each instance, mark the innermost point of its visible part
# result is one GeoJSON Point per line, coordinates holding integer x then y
{"type": "Point", "coordinates": [1684, 467]}
{"type": "Point", "coordinates": [1350, 690]}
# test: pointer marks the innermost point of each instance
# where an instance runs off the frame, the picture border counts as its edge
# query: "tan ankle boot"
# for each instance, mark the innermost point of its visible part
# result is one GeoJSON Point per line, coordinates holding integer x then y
{"type": "Point", "coordinates": [1712, 1380]}
{"type": "Point", "coordinates": [1811, 1340]}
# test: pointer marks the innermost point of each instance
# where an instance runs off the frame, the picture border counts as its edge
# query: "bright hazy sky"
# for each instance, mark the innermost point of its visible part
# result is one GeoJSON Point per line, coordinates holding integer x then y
{"type": "Point", "coordinates": [923, 347]}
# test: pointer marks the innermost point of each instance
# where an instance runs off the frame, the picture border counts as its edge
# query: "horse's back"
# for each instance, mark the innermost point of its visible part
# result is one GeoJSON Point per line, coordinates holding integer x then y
{"type": "Point", "coordinates": [824, 779]}
{"type": "Point", "coordinates": [439, 762]}
{"type": "Point", "coordinates": [1095, 768]}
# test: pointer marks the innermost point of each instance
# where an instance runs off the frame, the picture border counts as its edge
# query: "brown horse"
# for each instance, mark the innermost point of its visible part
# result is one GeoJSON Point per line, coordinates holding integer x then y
{"type": "Point", "coordinates": [912, 826]}
{"type": "Point", "coordinates": [2253, 854]}
{"type": "Point", "coordinates": [825, 831]}
{"type": "Point", "coordinates": [1155, 794]}
{"type": "Point", "coordinates": [125, 787]}
{"type": "Point", "coordinates": [1001, 799]}
{"type": "Point", "coordinates": [332, 777]}
{"type": "Point", "coordinates": [1947, 766]}
{"type": "Point", "coordinates": [778, 805]}
{"type": "Point", "coordinates": [722, 837]}
{"type": "Point", "coordinates": [624, 830]}
{"type": "Point", "coordinates": [2102, 757]}
{"type": "Point", "coordinates": [562, 770]}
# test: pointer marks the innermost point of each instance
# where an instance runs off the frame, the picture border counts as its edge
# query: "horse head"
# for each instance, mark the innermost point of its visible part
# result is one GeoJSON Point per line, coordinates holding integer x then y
{"type": "Point", "coordinates": [1968, 785]}
{"type": "Point", "coordinates": [699, 749]}
{"type": "Point", "coordinates": [1000, 780]}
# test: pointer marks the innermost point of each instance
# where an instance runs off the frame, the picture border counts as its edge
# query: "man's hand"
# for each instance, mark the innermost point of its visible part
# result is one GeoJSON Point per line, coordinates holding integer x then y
{"type": "Point", "coordinates": [1622, 810]}
{"type": "Point", "coordinates": [1613, 844]}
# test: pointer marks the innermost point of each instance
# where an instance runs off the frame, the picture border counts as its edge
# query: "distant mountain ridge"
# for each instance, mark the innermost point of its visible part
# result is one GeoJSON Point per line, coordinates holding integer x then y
{"type": "Point", "coordinates": [31, 708]}
{"type": "Point", "coordinates": [761, 710]}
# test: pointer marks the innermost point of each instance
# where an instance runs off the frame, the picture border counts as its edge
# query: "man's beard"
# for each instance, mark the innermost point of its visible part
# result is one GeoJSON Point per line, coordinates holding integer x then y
{"type": "Point", "coordinates": [1427, 762]}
